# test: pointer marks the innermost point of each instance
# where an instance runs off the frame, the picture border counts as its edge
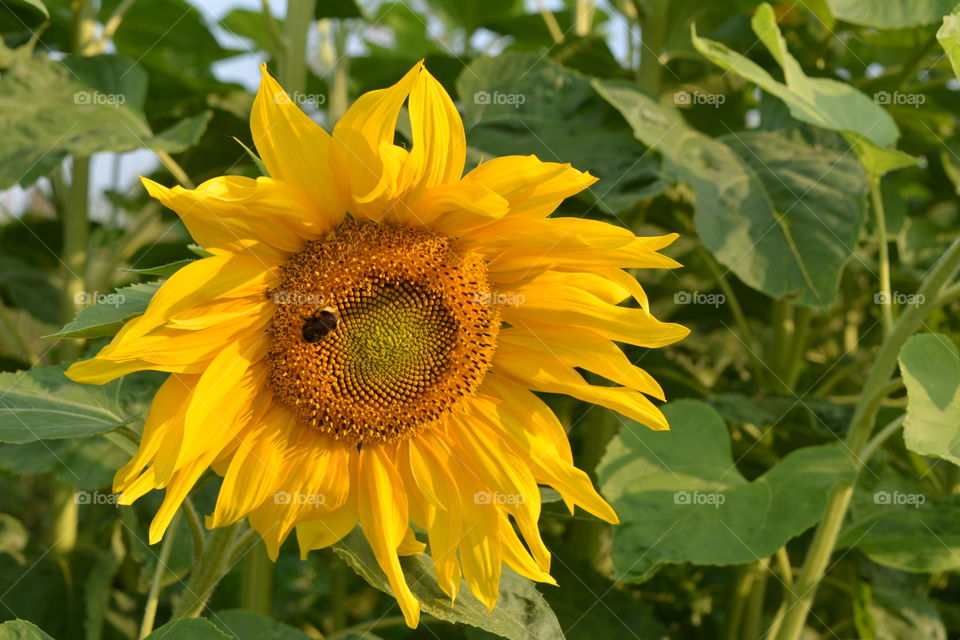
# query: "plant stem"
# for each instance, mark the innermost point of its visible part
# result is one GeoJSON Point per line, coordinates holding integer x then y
{"type": "Point", "coordinates": [753, 618]}
{"type": "Point", "coordinates": [583, 17]}
{"type": "Point", "coordinates": [175, 169]}
{"type": "Point", "coordinates": [653, 31]}
{"type": "Point", "coordinates": [256, 589]}
{"type": "Point", "coordinates": [76, 231]}
{"type": "Point", "coordinates": [886, 308]}
{"type": "Point", "coordinates": [877, 441]}
{"type": "Point", "coordinates": [293, 65]}
{"type": "Point", "coordinates": [153, 596]}
{"type": "Point", "coordinates": [207, 573]}
{"type": "Point", "coordinates": [798, 345]}
{"type": "Point", "coordinates": [587, 536]}
{"type": "Point", "coordinates": [338, 591]}
{"type": "Point", "coordinates": [800, 601]}
{"type": "Point", "coordinates": [782, 321]}
{"type": "Point", "coordinates": [339, 97]}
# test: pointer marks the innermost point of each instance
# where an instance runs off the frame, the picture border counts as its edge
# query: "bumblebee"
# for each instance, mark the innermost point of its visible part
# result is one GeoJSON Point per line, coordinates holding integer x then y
{"type": "Point", "coordinates": [316, 327]}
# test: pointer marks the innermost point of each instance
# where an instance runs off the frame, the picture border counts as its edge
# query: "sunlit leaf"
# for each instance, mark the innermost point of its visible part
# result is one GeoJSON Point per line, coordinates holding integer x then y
{"type": "Point", "coordinates": [521, 612]}
{"type": "Point", "coordinates": [681, 498]}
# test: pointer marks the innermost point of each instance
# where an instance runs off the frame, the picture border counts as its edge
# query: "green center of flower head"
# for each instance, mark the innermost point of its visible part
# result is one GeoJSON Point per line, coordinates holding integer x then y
{"type": "Point", "coordinates": [380, 331]}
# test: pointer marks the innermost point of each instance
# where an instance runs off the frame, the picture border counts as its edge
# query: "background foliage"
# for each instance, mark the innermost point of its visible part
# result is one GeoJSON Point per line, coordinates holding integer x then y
{"type": "Point", "coordinates": [807, 153]}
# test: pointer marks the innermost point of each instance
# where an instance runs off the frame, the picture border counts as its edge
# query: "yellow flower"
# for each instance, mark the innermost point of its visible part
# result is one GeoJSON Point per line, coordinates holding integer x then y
{"type": "Point", "coordinates": [364, 343]}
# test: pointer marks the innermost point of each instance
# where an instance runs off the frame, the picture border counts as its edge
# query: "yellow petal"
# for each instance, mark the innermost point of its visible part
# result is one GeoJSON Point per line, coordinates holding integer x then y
{"type": "Point", "coordinates": [368, 125]}
{"type": "Point", "coordinates": [429, 462]}
{"type": "Point", "coordinates": [549, 302]}
{"type": "Point", "coordinates": [543, 372]}
{"type": "Point", "coordinates": [382, 506]}
{"type": "Point", "coordinates": [224, 394]}
{"type": "Point", "coordinates": [439, 144]}
{"type": "Point", "coordinates": [160, 431]}
{"type": "Point", "coordinates": [583, 349]}
{"type": "Point", "coordinates": [297, 150]}
{"type": "Point", "coordinates": [234, 213]}
{"type": "Point", "coordinates": [533, 188]}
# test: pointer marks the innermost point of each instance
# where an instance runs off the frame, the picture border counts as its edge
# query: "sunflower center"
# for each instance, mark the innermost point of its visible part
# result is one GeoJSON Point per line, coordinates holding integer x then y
{"type": "Point", "coordinates": [380, 331]}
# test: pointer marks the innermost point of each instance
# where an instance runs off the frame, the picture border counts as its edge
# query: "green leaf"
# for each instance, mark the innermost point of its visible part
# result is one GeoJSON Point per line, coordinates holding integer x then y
{"type": "Point", "coordinates": [948, 35]}
{"type": "Point", "coordinates": [79, 106]}
{"type": "Point", "coordinates": [897, 525]}
{"type": "Point", "coordinates": [680, 496]}
{"type": "Point", "coordinates": [521, 612]}
{"type": "Point", "coordinates": [21, 15]}
{"type": "Point", "coordinates": [930, 366]}
{"type": "Point", "coordinates": [251, 25]}
{"type": "Point", "coordinates": [822, 102]}
{"type": "Point", "coordinates": [182, 135]}
{"type": "Point", "coordinates": [520, 104]}
{"type": "Point", "coordinates": [43, 404]}
{"type": "Point", "coordinates": [164, 270]}
{"type": "Point", "coordinates": [337, 9]}
{"type": "Point", "coordinates": [106, 313]}
{"type": "Point", "coordinates": [783, 214]}
{"type": "Point", "coordinates": [247, 625]}
{"type": "Point", "coordinates": [472, 14]}
{"type": "Point", "coordinates": [890, 14]}
{"type": "Point", "coordinates": [30, 288]}
{"type": "Point", "coordinates": [190, 629]}
{"type": "Point", "coordinates": [21, 630]}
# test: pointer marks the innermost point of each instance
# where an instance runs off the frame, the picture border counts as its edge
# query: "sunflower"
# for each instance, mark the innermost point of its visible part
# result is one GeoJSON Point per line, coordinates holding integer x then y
{"type": "Point", "coordinates": [365, 340]}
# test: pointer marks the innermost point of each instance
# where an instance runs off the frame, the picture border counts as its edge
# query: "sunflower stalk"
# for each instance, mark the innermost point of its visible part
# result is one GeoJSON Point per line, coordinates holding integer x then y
{"type": "Point", "coordinates": [213, 565]}
{"type": "Point", "coordinates": [292, 72]}
{"type": "Point", "coordinates": [800, 600]}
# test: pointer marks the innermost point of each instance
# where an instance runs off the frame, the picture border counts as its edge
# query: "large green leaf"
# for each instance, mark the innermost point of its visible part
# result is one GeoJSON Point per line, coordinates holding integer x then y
{"type": "Point", "coordinates": [900, 526]}
{"type": "Point", "coordinates": [890, 14]}
{"type": "Point", "coordinates": [783, 214]}
{"type": "Point", "coordinates": [930, 366]}
{"type": "Point", "coordinates": [106, 313]}
{"type": "Point", "coordinates": [521, 612]}
{"type": "Point", "coordinates": [42, 404]}
{"type": "Point", "coordinates": [680, 496]}
{"type": "Point", "coordinates": [190, 629]}
{"type": "Point", "coordinates": [948, 35]}
{"type": "Point", "coordinates": [78, 106]}
{"type": "Point", "coordinates": [21, 630]}
{"type": "Point", "coordinates": [823, 102]}
{"type": "Point", "coordinates": [247, 625]}
{"type": "Point", "coordinates": [522, 104]}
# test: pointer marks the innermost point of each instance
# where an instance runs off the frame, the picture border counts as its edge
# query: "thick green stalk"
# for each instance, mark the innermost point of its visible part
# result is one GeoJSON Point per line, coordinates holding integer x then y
{"type": "Point", "coordinates": [215, 562]}
{"type": "Point", "coordinates": [293, 65]}
{"type": "Point", "coordinates": [653, 20]}
{"type": "Point", "coordinates": [153, 596]}
{"type": "Point", "coordinates": [256, 588]}
{"type": "Point", "coordinates": [825, 538]}
{"type": "Point", "coordinates": [886, 295]}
